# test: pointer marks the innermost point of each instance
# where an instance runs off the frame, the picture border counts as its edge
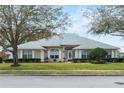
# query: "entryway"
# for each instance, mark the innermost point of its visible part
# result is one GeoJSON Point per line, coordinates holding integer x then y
{"type": "Point", "coordinates": [69, 54]}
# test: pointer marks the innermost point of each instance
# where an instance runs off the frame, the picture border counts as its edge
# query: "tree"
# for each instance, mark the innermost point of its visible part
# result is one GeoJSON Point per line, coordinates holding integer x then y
{"type": "Point", "coordinates": [107, 20]}
{"type": "Point", "coordinates": [20, 24]}
{"type": "Point", "coordinates": [98, 54]}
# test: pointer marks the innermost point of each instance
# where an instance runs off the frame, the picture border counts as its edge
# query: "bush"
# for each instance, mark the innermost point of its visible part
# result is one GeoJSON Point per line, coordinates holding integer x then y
{"type": "Point", "coordinates": [98, 61]}
{"type": "Point", "coordinates": [38, 60]}
{"type": "Point", "coordinates": [1, 59]}
{"type": "Point", "coordinates": [98, 53]}
{"type": "Point", "coordinates": [80, 60]}
{"type": "Point", "coordinates": [74, 60]}
{"type": "Point", "coordinates": [114, 60]}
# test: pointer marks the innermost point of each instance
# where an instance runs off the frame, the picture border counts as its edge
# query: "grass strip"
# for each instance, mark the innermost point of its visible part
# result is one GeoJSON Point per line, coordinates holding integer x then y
{"type": "Point", "coordinates": [66, 72]}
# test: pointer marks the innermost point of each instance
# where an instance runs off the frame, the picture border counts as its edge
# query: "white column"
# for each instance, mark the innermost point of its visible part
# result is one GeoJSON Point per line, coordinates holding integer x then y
{"type": "Point", "coordinates": [20, 54]}
{"type": "Point", "coordinates": [63, 54]}
{"type": "Point", "coordinates": [76, 53]}
{"type": "Point", "coordinates": [49, 54]}
{"type": "Point", "coordinates": [112, 53]}
{"type": "Point", "coordinates": [32, 53]}
{"type": "Point", "coordinates": [60, 54]}
{"type": "Point", "coordinates": [79, 53]}
{"type": "Point", "coordinates": [42, 55]}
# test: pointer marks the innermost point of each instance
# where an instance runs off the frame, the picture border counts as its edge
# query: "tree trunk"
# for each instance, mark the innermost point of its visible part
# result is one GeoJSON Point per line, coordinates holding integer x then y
{"type": "Point", "coordinates": [15, 56]}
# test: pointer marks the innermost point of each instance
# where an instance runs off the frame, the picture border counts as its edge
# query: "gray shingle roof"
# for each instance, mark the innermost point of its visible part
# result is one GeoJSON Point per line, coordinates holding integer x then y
{"type": "Point", "coordinates": [30, 45]}
{"type": "Point", "coordinates": [66, 39]}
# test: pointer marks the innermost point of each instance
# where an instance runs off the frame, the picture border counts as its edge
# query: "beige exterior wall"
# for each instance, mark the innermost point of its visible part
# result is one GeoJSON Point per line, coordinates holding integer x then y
{"type": "Point", "coordinates": [43, 54]}
{"type": "Point", "coordinates": [37, 53]}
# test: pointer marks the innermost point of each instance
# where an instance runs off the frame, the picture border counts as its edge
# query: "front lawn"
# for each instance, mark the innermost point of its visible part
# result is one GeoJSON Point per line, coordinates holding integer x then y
{"type": "Point", "coordinates": [64, 68]}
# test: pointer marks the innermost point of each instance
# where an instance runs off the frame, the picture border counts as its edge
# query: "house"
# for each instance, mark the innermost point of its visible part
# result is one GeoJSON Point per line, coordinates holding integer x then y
{"type": "Point", "coordinates": [65, 46]}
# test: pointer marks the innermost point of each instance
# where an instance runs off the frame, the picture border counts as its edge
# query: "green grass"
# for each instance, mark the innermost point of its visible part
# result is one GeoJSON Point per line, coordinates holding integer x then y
{"type": "Point", "coordinates": [68, 72]}
{"type": "Point", "coordinates": [63, 68]}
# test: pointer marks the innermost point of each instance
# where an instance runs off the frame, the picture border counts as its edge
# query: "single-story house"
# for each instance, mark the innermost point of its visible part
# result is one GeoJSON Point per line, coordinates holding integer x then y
{"type": "Point", "coordinates": [66, 46]}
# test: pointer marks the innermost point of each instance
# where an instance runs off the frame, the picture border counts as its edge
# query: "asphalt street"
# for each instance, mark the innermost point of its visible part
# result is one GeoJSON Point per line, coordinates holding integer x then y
{"type": "Point", "coordinates": [61, 81]}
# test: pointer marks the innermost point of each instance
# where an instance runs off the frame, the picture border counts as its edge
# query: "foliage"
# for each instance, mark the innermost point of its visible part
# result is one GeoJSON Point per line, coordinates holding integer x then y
{"type": "Point", "coordinates": [33, 60]}
{"type": "Point", "coordinates": [98, 53]}
{"type": "Point", "coordinates": [80, 60]}
{"type": "Point", "coordinates": [107, 20]}
{"type": "Point", "coordinates": [1, 59]}
{"type": "Point", "coordinates": [20, 24]}
{"type": "Point", "coordinates": [98, 61]}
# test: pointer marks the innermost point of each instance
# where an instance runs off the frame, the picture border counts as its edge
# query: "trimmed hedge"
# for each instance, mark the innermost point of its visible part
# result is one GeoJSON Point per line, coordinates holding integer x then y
{"type": "Point", "coordinates": [114, 59]}
{"type": "Point", "coordinates": [98, 61]}
{"type": "Point", "coordinates": [1, 59]}
{"type": "Point", "coordinates": [102, 60]}
{"type": "Point", "coordinates": [80, 60]}
{"type": "Point", "coordinates": [24, 60]}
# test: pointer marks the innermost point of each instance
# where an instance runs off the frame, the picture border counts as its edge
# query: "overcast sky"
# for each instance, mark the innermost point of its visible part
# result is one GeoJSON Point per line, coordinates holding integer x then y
{"type": "Point", "coordinates": [80, 27]}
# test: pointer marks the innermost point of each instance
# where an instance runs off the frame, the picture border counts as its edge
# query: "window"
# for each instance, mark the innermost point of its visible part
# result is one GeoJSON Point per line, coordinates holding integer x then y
{"type": "Point", "coordinates": [27, 54]}
{"type": "Point", "coordinates": [54, 53]}
{"type": "Point", "coordinates": [84, 54]}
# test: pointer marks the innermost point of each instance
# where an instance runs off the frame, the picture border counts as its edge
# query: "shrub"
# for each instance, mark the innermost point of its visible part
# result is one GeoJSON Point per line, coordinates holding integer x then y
{"type": "Point", "coordinates": [46, 59]}
{"type": "Point", "coordinates": [114, 59]}
{"type": "Point", "coordinates": [1, 59]}
{"type": "Point", "coordinates": [98, 53]}
{"type": "Point", "coordinates": [25, 60]}
{"type": "Point", "coordinates": [74, 60]}
{"type": "Point", "coordinates": [98, 61]}
{"type": "Point", "coordinates": [80, 60]}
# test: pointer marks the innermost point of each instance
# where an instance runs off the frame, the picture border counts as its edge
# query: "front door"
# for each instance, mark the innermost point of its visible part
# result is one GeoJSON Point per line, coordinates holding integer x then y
{"type": "Point", "coordinates": [69, 54]}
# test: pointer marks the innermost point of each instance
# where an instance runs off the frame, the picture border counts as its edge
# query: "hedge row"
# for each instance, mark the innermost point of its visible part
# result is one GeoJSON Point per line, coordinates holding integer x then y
{"type": "Point", "coordinates": [24, 60]}
{"type": "Point", "coordinates": [74, 60]}
{"type": "Point", "coordinates": [105, 60]}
